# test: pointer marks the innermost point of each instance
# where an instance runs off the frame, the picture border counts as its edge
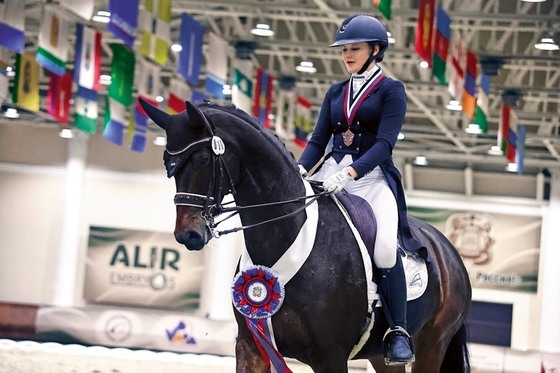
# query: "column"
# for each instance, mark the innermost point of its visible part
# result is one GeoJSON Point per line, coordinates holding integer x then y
{"type": "Point", "coordinates": [67, 262]}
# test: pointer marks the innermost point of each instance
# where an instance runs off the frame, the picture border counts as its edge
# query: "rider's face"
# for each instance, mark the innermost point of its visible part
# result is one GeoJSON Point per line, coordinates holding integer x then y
{"type": "Point", "coordinates": [355, 55]}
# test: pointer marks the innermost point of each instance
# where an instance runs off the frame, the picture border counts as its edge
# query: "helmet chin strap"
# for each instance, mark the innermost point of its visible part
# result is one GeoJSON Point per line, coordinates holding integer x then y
{"type": "Point", "coordinates": [368, 62]}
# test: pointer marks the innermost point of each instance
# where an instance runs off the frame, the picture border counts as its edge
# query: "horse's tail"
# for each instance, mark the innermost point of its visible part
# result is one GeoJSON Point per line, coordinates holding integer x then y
{"type": "Point", "coordinates": [456, 357]}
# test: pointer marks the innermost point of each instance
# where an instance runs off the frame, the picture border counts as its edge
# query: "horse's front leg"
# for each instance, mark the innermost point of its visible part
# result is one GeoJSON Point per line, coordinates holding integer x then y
{"type": "Point", "coordinates": [248, 360]}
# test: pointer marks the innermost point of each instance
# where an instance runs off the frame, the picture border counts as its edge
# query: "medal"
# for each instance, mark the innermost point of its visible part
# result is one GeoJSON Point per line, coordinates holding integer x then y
{"type": "Point", "coordinates": [348, 137]}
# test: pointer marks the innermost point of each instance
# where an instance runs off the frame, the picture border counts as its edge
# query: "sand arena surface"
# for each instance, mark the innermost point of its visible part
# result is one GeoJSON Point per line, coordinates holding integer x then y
{"type": "Point", "coordinates": [33, 357]}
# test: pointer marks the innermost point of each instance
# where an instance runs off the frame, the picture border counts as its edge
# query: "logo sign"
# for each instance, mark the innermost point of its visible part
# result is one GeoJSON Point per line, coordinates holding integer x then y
{"type": "Point", "coordinates": [141, 268]}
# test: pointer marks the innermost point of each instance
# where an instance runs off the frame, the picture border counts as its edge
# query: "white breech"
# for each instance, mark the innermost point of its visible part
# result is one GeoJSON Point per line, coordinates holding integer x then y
{"type": "Point", "coordinates": [374, 189]}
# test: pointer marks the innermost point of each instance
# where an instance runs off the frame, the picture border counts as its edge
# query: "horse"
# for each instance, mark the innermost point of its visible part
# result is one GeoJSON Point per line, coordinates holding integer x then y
{"type": "Point", "coordinates": [213, 150]}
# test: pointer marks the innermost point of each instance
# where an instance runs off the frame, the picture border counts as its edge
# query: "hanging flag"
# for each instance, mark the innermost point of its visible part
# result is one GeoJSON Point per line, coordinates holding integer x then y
{"type": "Point", "coordinates": [25, 92]}
{"type": "Point", "coordinates": [520, 145]}
{"type": "Point", "coordinates": [263, 97]}
{"type": "Point", "coordinates": [457, 70]}
{"type": "Point", "coordinates": [482, 103]}
{"type": "Point", "coordinates": [199, 97]}
{"type": "Point", "coordinates": [87, 59]}
{"type": "Point", "coordinates": [138, 127]}
{"type": "Point", "coordinates": [469, 88]}
{"type": "Point", "coordinates": [123, 20]}
{"type": "Point", "coordinates": [12, 22]}
{"type": "Point", "coordinates": [154, 24]}
{"type": "Point", "coordinates": [506, 134]}
{"type": "Point", "coordinates": [52, 52]}
{"type": "Point", "coordinates": [179, 94]}
{"type": "Point", "coordinates": [148, 80]}
{"type": "Point", "coordinates": [4, 67]}
{"type": "Point", "coordinates": [442, 36]}
{"type": "Point", "coordinates": [216, 66]}
{"type": "Point", "coordinates": [302, 121]}
{"type": "Point", "coordinates": [119, 96]}
{"type": "Point", "coordinates": [83, 8]}
{"type": "Point", "coordinates": [384, 7]}
{"type": "Point", "coordinates": [191, 40]}
{"type": "Point", "coordinates": [59, 96]}
{"type": "Point", "coordinates": [284, 125]}
{"type": "Point", "coordinates": [86, 110]}
{"type": "Point", "coordinates": [242, 92]}
{"type": "Point", "coordinates": [424, 30]}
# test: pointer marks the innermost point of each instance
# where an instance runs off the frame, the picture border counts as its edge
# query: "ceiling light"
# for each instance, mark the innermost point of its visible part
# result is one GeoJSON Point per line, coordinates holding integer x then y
{"type": "Point", "coordinates": [420, 161]}
{"type": "Point", "coordinates": [473, 128]}
{"type": "Point", "coordinates": [11, 113]}
{"type": "Point", "coordinates": [547, 43]}
{"type": "Point", "coordinates": [226, 89]}
{"type": "Point", "coordinates": [511, 167]}
{"type": "Point", "coordinates": [534, 1]}
{"type": "Point", "coordinates": [424, 64]}
{"type": "Point", "coordinates": [401, 136]}
{"type": "Point", "coordinates": [262, 29]}
{"type": "Point", "coordinates": [176, 47]}
{"type": "Point", "coordinates": [390, 38]}
{"type": "Point", "coordinates": [103, 13]}
{"type": "Point", "coordinates": [105, 79]}
{"type": "Point", "coordinates": [495, 150]}
{"type": "Point", "coordinates": [454, 105]}
{"type": "Point", "coordinates": [66, 133]}
{"type": "Point", "coordinates": [306, 67]}
{"type": "Point", "coordinates": [159, 98]}
{"type": "Point", "coordinates": [160, 141]}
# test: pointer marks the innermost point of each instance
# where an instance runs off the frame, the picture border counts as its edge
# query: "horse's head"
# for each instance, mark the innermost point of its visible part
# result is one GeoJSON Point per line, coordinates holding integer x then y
{"type": "Point", "coordinates": [194, 156]}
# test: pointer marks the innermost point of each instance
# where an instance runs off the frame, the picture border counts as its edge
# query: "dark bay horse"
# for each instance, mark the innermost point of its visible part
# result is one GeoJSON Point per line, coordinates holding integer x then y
{"type": "Point", "coordinates": [213, 150]}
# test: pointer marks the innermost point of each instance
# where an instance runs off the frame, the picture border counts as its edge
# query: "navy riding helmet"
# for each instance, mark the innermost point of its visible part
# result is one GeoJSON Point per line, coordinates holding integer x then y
{"type": "Point", "coordinates": [360, 28]}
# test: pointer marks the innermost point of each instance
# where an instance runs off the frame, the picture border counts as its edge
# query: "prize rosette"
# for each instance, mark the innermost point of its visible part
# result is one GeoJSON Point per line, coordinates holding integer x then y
{"type": "Point", "coordinates": [257, 292]}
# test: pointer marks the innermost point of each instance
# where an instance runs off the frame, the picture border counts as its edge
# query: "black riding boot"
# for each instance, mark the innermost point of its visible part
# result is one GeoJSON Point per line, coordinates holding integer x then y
{"type": "Point", "coordinates": [397, 341]}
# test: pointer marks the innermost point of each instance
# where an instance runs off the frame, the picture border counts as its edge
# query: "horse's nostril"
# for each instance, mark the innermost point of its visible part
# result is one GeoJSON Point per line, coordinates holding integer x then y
{"type": "Point", "coordinates": [191, 239]}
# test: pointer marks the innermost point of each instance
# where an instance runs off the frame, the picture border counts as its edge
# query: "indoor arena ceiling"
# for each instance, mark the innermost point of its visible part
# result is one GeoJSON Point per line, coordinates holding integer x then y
{"type": "Point", "coordinates": [495, 30]}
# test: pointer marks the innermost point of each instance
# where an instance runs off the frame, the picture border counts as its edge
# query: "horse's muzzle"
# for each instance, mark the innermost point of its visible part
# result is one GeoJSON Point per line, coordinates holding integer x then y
{"type": "Point", "coordinates": [192, 239]}
{"type": "Point", "coordinates": [191, 229]}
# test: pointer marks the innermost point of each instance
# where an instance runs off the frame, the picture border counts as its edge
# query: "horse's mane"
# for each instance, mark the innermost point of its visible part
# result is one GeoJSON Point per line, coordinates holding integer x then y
{"type": "Point", "coordinates": [253, 122]}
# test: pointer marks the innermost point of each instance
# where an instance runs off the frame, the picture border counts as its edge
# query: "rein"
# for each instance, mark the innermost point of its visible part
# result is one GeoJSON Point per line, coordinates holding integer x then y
{"type": "Point", "coordinates": [211, 202]}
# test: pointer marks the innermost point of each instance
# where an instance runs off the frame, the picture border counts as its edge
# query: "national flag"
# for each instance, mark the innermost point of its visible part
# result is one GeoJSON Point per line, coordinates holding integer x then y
{"type": "Point", "coordinates": [191, 40]}
{"type": "Point", "coordinates": [114, 121]}
{"type": "Point", "coordinates": [506, 134]}
{"type": "Point", "coordinates": [263, 97]}
{"type": "Point", "coordinates": [59, 96]}
{"type": "Point", "coordinates": [457, 70]}
{"type": "Point", "coordinates": [119, 96]}
{"type": "Point", "coordinates": [154, 24]}
{"type": "Point", "coordinates": [83, 8]}
{"type": "Point", "coordinates": [520, 145]}
{"type": "Point", "coordinates": [469, 89]}
{"type": "Point", "coordinates": [124, 19]}
{"type": "Point", "coordinates": [52, 51]}
{"type": "Point", "coordinates": [216, 66]}
{"type": "Point", "coordinates": [442, 35]}
{"type": "Point", "coordinates": [242, 91]}
{"type": "Point", "coordinates": [86, 105]}
{"type": "Point", "coordinates": [424, 30]}
{"type": "Point", "coordinates": [302, 121]}
{"type": "Point", "coordinates": [25, 92]}
{"type": "Point", "coordinates": [148, 80]}
{"type": "Point", "coordinates": [384, 7]}
{"type": "Point", "coordinates": [482, 103]}
{"type": "Point", "coordinates": [199, 97]}
{"type": "Point", "coordinates": [179, 94]}
{"type": "Point", "coordinates": [285, 115]}
{"type": "Point", "coordinates": [138, 127]}
{"type": "Point", "coordinates": [12, 25]}
{"type": "Point", "coordinates": [87, 59]}
{"type": "Point", "coordinates": [4, 67]}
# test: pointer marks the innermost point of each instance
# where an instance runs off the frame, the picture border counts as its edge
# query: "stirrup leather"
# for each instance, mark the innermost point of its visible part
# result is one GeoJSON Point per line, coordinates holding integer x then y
{"type": "Point", "coordinates": [388, 360]}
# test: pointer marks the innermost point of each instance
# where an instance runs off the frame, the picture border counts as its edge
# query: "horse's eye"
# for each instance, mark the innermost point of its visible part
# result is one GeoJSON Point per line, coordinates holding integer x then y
{"type": "Point", "coordinates": [201, 159]}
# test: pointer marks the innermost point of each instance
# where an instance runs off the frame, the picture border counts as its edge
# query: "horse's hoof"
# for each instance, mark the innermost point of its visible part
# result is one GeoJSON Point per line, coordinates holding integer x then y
{"type": "Point", "coordinates": [399, 351]}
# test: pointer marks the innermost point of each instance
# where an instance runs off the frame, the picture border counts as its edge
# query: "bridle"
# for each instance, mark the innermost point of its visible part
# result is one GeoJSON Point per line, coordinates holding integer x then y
{"type": "Point", "coordinates": [211, 203]}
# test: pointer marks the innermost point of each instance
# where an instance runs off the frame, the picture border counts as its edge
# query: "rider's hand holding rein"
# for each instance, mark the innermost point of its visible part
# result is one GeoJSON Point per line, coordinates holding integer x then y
{"type": "Point", "coordinates": [337, 181]}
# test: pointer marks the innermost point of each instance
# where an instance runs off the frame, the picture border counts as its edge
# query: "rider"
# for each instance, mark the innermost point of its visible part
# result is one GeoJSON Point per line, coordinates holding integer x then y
{"type": "Point", "coordinates": [364, 115]}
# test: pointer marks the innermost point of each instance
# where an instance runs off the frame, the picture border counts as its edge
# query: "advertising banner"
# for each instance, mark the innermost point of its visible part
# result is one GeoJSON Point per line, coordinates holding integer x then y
{"type": "Point", "coordinates": [141, 268]}
{"type": "Point", "coordinates": [500, 251]}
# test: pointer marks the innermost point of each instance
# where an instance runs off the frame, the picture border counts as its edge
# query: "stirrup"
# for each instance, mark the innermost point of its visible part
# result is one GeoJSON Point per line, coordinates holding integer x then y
{"type": "Point", "coordinates": [389, 359]}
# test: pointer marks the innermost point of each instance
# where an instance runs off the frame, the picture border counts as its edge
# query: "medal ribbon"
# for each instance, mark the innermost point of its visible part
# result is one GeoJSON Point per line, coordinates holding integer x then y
{"type": "Point", "coordinates": [350, 106]}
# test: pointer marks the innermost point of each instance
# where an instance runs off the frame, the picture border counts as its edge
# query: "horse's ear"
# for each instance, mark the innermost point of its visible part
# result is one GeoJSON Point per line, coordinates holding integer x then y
{"type": "Point", "coordinates": [195, 115]}
{"type": "Point", "coordinates": [160, 117]}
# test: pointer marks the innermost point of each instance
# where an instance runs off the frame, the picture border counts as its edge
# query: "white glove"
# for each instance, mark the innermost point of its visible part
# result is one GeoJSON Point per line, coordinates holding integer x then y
{"type": "Point", "coordinates": [337, 181]}
{"type": "Point", "coordinates": [302, 171]}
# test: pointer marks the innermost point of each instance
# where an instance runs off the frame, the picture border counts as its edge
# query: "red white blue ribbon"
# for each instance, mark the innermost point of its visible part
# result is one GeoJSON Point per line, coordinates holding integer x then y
{"type": "Point", "coordinates": [351, 105]}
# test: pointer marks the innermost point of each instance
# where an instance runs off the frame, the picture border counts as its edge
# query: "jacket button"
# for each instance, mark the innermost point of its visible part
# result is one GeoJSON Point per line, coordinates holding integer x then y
{"type": "Point", "coordinates": [358, 148]}
{"type": "Point", "coordinates": [340, 146]}
{"type": "Point", "coordinates": [358, 123]}
{"type": "Point", "coordinates": [338, 123]}
{"type": "Point", "coordinates": [359, 135]}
